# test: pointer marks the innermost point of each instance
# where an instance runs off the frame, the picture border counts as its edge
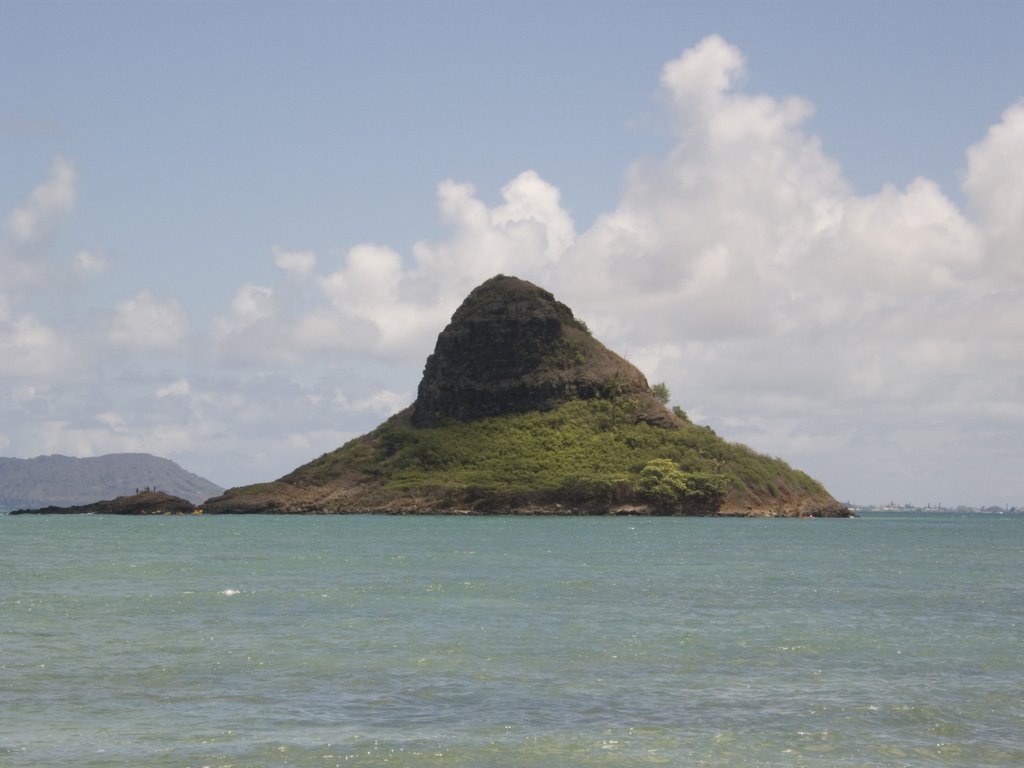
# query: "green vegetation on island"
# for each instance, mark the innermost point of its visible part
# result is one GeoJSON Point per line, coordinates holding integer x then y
{"type": "Point", "coordinates": [589, 455]}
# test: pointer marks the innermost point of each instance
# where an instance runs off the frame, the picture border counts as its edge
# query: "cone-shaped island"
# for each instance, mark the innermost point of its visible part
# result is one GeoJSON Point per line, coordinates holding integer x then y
{"type": "Point", "coordinates": [521, 411]}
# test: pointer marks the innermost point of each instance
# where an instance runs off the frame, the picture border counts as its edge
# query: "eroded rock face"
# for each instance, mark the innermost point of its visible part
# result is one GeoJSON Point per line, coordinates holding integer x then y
{"type": "Point", "coordinates": [511, 347]}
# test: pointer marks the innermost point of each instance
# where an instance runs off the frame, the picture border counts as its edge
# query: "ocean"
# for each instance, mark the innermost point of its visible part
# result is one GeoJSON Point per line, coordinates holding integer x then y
{"type": "Point", "coordinates": [888, 640]}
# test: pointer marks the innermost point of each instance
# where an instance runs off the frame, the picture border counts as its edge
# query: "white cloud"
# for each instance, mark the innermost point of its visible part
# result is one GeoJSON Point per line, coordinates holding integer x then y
{"type": "Point", "coordinates": [328, 329]}
{"type": "Point", "coordinates": [375, 304]}
{"type": "Point", "coordinates": [24, 392]}
{"type": "Point", "coordinates": [107, 432]}
{"type": "Point", "coordinates": [702, 234]}
{"type": "Point", "coordinates": [297, 263]}
{"type": "Point", "coordinates": [251, 305]}
{"type": "Point", "coordinates": [179, 388]}
{"type": "Point", "coordinates": [37, 217]}
{"type": "Point", "coordinates": [369, 311]}
{"type": "Point", "coordinates": [31, 226]}
{"type": "Point", "coordinates": [383, 401]}
{"type": "Point", "coordinates": [381, 306]}
{"type": "Point", "coordinates": [908, 242]}
{"type": "Point", "coordinates": [145, 322]}
{"type": "Point", "coordinates": [524, 235]}
{"type": "Point", "coordinates": [254, 331]}
{"type": "Point", "coordinates": [111, 420]}
{"type": "Point", "coordinates": [995, 190]}
{"type": "Point", "coordinates": [532, 215]}
{"type": "Point", "coordinates": [369, 280]}
{"type": "Point", "coordinates": [31, 349]}
{"type": "Point", "coordinates": [89, 263]}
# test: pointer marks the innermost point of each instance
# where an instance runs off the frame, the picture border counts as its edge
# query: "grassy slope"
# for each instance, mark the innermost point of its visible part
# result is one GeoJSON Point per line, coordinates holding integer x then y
{"type": "Point", "coordinates": [587, 455]}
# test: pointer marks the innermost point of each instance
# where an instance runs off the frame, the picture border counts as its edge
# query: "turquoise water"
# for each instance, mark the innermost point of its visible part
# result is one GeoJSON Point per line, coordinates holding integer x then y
{"type": "Point", "coordinates": [368, 641]}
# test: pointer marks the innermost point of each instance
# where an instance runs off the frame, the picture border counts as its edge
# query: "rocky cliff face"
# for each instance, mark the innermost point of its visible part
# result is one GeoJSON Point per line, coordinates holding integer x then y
{"type": "Point", "coordinates": [511, 347]}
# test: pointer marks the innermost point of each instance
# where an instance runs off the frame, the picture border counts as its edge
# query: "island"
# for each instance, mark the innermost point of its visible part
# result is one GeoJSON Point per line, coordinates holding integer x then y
{"type": "Point", "coordinates": [147, 502]}
{"type": "Point", "coordinates": [520, 411]}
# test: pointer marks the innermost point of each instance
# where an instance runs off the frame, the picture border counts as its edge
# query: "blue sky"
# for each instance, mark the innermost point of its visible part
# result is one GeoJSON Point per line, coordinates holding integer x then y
{"type": "Point", "coordinates": [232, 231]}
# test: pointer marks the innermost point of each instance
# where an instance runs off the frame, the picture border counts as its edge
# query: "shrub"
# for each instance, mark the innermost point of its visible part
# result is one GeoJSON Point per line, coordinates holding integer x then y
{"type": "Point", "coordinates": [663, 484]}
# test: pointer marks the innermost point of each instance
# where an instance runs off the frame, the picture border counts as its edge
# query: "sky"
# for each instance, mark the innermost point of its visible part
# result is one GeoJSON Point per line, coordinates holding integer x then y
{"type": "Point", "coordinates": [230, 232]}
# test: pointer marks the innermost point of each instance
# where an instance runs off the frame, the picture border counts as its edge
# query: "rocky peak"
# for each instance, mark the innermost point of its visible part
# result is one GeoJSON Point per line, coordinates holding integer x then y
{"type": "Point", "coordinates": [511, 347]}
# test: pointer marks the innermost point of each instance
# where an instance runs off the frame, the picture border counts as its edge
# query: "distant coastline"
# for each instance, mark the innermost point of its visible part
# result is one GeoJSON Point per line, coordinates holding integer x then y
{"type": "Point", "coordinates": [937, 509]}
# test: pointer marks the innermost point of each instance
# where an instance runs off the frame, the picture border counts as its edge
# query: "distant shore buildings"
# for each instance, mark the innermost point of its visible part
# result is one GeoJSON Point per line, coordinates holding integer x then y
{"type": "Point", "coordinates": [893, 507]}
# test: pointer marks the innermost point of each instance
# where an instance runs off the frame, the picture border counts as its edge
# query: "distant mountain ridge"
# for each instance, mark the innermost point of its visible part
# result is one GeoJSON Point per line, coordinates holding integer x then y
{"type": "Point", "coordinates": [65, 481]}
